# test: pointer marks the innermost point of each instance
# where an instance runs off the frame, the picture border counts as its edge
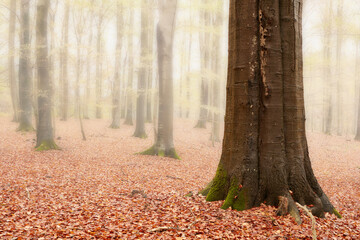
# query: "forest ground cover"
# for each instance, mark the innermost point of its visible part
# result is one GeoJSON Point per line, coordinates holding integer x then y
{"type": "Point", "coordinates": [100, 189]}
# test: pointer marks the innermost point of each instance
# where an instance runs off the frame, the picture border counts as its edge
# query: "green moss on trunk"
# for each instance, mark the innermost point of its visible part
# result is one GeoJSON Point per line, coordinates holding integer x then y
{"type": "Point", "coordinates": [140, 135]}
{"type": "Point", "coordinates": [336, 213]}
{"type": "Point", "coordinates": [47, 145]}
{"type": "Point", "coordinates": [155, 151]}
{"type": "Point", "coordinates": [218, 188]}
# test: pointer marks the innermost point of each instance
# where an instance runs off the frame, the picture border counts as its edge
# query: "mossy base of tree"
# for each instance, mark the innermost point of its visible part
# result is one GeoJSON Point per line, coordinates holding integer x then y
{"type": "Point", "coordinates": [114, 126]}
{"type": "Point", "coordinates": [47, 145]}
{"type": "Point", "coordinates": [155, 151]}
{"type": "Point", "coordinates": [228, 188]}
{"type": "Point", "coordinates": [140, 135]}
{"type": "Point", "coordinates": [200, 124]}
{"type": "Point", "coordinates": [25, 128]}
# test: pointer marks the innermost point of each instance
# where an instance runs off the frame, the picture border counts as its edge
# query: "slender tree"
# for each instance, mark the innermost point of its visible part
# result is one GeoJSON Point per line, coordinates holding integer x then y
{"type": "Point", "coordinates": [99, 68]}
{"type": "Point", "coordinates": [204, 37]}
{"type": "Point", "coordinates": [64, 65]}
{"type": "Point", "coordinates": [339, 42]}
{"type": "Point", "coordinates": [141, 95]}
{"type": "Point", "coordinates": [44, 133]}
{"type": "Point", "coordinates": [116, 110]}
{"type": "Point", "coordinates": [129, 91]}
{"type": "Point", "coordinates": [11, 59]}
{"type": "Point", "coordinates": [25, 75]}
{"type": "Point", "coordinates": [164, 145]}
{"type": "Point", "coordinates": [149, 84]}
{"type": "Point", "coordinates": [357, 70]}
{"type": "Point", "coordinates": [265, 153]}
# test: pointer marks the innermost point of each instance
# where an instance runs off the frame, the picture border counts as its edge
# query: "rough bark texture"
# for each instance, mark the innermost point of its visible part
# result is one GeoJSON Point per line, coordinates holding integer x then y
{"type": "Point", "coordinates": [44, 134]}
{"type": "Point", "coordinates": [129, 92]}
{"type": "Point", "coordinates": [64, 65]}
{"type": "Point", "coordinates": [144, 65]}
{"type": "Point", "coordinates": [164, 145]}
{"type": "Point", "coordinates": [25, 76]}
{"type": "Point", "coordinates": [265, 153]}
{"type": "Point", "coordinates": [11, 62]}
{"type": "Point", "coordinates": [117, 80]}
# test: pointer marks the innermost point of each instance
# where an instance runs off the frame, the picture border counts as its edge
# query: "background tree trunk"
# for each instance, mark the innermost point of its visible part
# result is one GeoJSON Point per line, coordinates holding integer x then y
{"type": "Point", "coordinates": [265, 152]}
{"type": "Point", "coordinates": [129, 91]}
{"type": "Point", "coordinates": [164, 145]}
{"type": "Point", "coordinates": [116, 110]}
{"type": "Point", "coordinates": [64, 65]}
{"type": "Point", "coordinates": [149, 85]}
{"type": "Point", "coordinates": [144, 65]}
{"type": "Point", "coordinates": [339, 42]}
{"type": "Point", "coordinates": [14, 91]}
{"type": "Point", "coordinates": [25, 75]}
{"type": "Point", "coordinates": [357, 136]}
{"type": "Point", "coordinates": [99, 68]}
{"type": "Point", "coordinates": [45, 138]}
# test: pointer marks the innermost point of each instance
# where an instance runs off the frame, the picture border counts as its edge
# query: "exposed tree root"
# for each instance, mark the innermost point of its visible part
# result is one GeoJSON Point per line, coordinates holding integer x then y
{"type": "Point", "coordinates": [141, 135]}
{"type": "Point", "coordinates": [114, 126]}
{"type": "Point", "coordinates": [200, 124]}
{"type": "Point", "coordinates": [25, 128]}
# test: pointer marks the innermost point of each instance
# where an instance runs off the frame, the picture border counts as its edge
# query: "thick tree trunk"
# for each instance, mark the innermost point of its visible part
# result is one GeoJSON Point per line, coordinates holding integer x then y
{"type": "Point", "coordinates": [64, 65]}
{"type": "Point", "coordinates": [144, 65]}
{"type": "Point", "coordinates": [328, 79]}
{"type": "Point", "coordinates": [129, 92]}
{"type": "Point", "coordinates": [205, 61]}
{"type": "Point", "coordinates": [25, 75]}
{"type": "Point", "coordinates": [14, 91]}
{"type": "Point", "coordinates": [265, 153]}
{"type": "Point", "coordinates": [164, 145]}
{"type": "Point", "coordinates": [357, 70]}
{"type": "Point", "coordinates": [44, 134]}
{"type": "Point", "coordinates": [88, 66]}
{"type": "Point", "coordinates": [99, 68]}
{"type": "Point", "coordinates": [117, 80]}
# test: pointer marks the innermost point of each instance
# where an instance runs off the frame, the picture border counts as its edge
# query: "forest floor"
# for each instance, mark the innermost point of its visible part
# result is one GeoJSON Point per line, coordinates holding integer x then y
{"type": "Point", "coordinates": [99, 189]}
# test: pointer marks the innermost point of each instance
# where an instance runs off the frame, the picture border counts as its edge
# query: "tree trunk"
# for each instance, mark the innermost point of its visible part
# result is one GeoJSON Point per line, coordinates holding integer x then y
{"type": "Point", "coordinates": [218, 20]}
{"type": "Point", "coordinates": [204, 38]}
{"type": "Point", "coordinates": [149, 85]}
{"type": "Point", "coordinates": [144, 65]}
{"type": "Point", "coordinates": [357, 136]}
{"type": "Point", "coordinates": [99, 69]}
{"type": "Point", "coordinates": [117, 80]}
{"type": "Point", "coordinates": [44, 134]}
{"type": "Point", "coordinates": [64, 65]}
{"type": "Point", "coordinates": [129, 91]}
{"type": "Point", "coordinates": [328, 80]}
{"type": "Point", "coordinates": [164, 145]}
{"type": "Point", "coordinates": [12, 73]}
{"type": "Point", "coordinates": [25, 75]}
{"type": "Point", "coordinates": [339, 42]}
{"type": "Point", "coordinates": [265, 153]}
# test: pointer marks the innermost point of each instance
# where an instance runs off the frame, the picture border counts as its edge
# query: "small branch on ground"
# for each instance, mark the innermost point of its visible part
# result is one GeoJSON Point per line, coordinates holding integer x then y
{"type": "Point", "coordinates": [313, 221]}
{"type": "Point", "coordinates": [177, 178]}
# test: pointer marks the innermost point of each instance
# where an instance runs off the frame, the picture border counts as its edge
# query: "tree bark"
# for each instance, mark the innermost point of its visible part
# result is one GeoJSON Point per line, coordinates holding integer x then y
{"type": "Point", "coordinates": [25, 75]}
{"type": "Point", "coordinates": [11, 61]}
{"type": "Point", "coordinates": [116, 110]}
{"type": "Point", "coordinates": [144, 66]}
{"type": "Point", "coordinates": [265, 153]}
{"type": "Point", "coordinates": [129, 92]}
{"type": "Point", "coordinates": [339, 42]}
{"type": "Point", "coordinates": [164, 145]}
{"type": "Point", "coordinates": [357, 136]}
{"type": "Point", "coordinates": [44, 133]}
{"type": "Point", "coordinates": [64, 65]}
{"type": "Point", "coordinates": [149, 85]}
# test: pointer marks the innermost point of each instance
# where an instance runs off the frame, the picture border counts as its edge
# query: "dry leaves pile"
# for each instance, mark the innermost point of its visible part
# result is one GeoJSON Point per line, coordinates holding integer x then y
{"type": "Point", "coordinates": [100, 189]}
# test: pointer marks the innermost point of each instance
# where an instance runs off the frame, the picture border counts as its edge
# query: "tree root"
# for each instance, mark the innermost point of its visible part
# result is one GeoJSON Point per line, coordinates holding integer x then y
{"type": "Point", "coordinates": [155, 151]}
{"type": "Point", "coordinates": [312, 219]}
{"type": "Point", "coordinates": [47, 145]}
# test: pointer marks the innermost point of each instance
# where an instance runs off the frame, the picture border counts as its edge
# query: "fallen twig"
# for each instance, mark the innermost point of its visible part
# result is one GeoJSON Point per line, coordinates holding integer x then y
{"type": "Point", "coordinates": [313, 221]}
{"type": "Point", "coordinates": [173, 177]}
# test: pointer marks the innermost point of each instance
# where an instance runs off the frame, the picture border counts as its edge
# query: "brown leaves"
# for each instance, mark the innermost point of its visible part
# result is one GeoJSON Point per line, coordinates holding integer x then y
{"type": "Point", "coordinates": [99, 189]}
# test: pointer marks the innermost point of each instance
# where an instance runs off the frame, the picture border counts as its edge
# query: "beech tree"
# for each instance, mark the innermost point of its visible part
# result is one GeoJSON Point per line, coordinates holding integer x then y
{"type": "Point", "coordinates": [44, 133]}
{"type": "Point", "coordinates": [11, 59]}
{"type": "Point", "coordinates": [265, 154]}
{"type": "Point", "coordinates": [164, 145]}
{"type": "Point", "coordinates": [25, 76]}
